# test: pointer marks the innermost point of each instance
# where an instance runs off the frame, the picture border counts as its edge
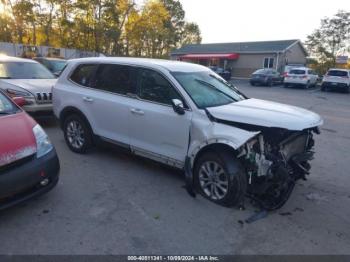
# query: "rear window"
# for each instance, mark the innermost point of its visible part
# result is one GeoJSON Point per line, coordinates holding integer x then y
{"type": "Point", "coordinates": [297, 72]}
{"type": "Point", "coordinates": [337, 73]}
{"type": "Point", "coordinates": [83, 74]}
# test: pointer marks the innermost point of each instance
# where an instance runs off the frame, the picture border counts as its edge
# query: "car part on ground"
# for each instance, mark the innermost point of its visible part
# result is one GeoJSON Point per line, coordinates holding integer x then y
{"type": "Point", "coordinates": [185, 116]}
{"type": "Point", "coordinates": [29, 165]}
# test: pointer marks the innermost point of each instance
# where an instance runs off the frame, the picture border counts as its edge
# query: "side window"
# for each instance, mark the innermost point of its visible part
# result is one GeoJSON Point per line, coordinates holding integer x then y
{"type": "Point", "coordinates": [116, 79]}
{"type": "Point", "coordinates": [83, 74]}
{"type": "Point", "coordinates": [154, 87]}
{"type": "Point", "coordinates": [268, 62]}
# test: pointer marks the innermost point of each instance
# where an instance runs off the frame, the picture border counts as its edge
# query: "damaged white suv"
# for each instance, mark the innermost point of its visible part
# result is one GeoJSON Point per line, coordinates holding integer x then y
{"type": "Point", "coordinates": [184, 115]}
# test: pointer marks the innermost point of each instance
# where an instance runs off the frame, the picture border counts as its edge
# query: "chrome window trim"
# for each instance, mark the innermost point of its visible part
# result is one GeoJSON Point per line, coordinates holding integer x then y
{"type": "Point", "coordinates": [133, 96]}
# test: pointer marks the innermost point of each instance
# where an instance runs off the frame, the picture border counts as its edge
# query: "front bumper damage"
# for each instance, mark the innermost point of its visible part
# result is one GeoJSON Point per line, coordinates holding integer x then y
{"type": "Point", "coordinates": [273, 160]}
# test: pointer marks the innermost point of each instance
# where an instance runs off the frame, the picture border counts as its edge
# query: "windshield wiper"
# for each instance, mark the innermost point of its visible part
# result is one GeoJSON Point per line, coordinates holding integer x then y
{"type": "Point", "coordinates": [5, 77]}
{"type": "Point", "coordinates": [229, 85]}
{"type": "Point", "coordinates": [217, 89]}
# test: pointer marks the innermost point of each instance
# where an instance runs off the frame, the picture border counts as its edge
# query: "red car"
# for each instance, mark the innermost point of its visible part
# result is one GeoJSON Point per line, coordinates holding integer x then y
{"type": "Point", "coordinates": [29, 165]}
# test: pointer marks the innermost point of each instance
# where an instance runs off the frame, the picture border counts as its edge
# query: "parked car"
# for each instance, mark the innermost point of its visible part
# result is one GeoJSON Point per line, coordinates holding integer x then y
{"type": "Point", "coordinates": [55, 65]}
{"type": "Point", "coordinates": [301, 76]}
{"type": "Point", "coordinates": [29, 165]}
{"type": "Point", "coordinates": [184, 116]}
{"type": "Point", "coordinates": [267, 77]}
{"type": "Point", "coordinates": [28, 79]}
{"type": "Point", "coordinates": [225, 74]}
{"type": "Point", "coordinates": [289, 67]}
{"type": "Point", "coordinates": [336, 79]}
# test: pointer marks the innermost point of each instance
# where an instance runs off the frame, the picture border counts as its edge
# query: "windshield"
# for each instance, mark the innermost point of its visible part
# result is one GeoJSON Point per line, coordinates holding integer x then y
{"type": "Point", "coordinates": [24, 70]}
{"type": "Point", "coordinates": [337, 73]}
{"type": "Point", "coordinates": [57, 66]}
{"type": "Point", "coordinates": [207, 89]}
{"type": "Point", "coordinates": [6, 106]}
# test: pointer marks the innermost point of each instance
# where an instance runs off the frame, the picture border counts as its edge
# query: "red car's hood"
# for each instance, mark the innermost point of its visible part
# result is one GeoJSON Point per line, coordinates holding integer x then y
{"type": "Point", "coordinates": [16, 137]}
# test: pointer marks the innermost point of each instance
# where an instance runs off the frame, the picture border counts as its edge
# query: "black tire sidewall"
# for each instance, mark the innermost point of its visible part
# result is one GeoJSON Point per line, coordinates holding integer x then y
{"type": "Point", "coordinates": [236, 180]}
{"type": "Point", "coordinates": [87, 134]}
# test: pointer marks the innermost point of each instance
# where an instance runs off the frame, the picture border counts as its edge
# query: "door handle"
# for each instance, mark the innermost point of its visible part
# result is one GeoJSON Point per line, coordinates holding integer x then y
{"type": "Point", "coordinates": [88, 99]}
{"type": "Point", "coordinates": [137, 111]}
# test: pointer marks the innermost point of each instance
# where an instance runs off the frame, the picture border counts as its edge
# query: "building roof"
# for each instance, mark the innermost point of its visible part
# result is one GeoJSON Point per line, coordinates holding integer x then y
{"type": "Point", "coordinates": [237, 47]}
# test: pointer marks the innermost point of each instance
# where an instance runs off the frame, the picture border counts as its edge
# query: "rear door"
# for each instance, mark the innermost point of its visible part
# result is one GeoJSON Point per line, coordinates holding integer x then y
{"type": "Point", "coordinates": [105, 101]}
{"type": "Point", "coordinates": [155, 129]}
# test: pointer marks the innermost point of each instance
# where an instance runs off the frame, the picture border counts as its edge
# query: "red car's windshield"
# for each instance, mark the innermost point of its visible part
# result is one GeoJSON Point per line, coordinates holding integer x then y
{"type": "Point", "coordinates": [6, 106]}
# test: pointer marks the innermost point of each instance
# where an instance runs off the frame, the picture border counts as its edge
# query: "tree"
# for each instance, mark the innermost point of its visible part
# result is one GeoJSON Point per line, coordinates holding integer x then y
{"type": "Point", "coordinates": [331, 39]}
{"type": "Point", "coordinates": [112, 27]}
{"type": "Point", "coordinates": [192, 34]}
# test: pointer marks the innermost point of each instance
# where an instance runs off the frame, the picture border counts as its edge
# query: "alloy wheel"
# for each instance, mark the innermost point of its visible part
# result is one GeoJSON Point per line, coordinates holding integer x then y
{"type": "Point", "coordinates": [213, 180]}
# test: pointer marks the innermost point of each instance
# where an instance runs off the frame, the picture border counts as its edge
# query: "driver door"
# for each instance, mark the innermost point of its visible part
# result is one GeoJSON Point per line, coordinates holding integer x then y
{"type": "Point", "coordinates": [155, 130]}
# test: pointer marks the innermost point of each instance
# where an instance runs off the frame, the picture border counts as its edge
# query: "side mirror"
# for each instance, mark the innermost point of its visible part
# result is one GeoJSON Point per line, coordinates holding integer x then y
{"type": "Point", "coordinates": [20, 101]}
{"type": "Point", "coordinates": [178, 106]}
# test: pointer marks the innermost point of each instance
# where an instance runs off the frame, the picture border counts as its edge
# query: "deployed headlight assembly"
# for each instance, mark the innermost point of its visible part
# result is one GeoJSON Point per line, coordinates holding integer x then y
{"type": "Point", "coordinates": [43, 143]}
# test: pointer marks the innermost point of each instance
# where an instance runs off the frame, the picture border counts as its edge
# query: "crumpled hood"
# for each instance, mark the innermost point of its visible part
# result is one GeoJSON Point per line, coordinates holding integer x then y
{"type": "Point", "coordinates": [268, 114]}
{"type": "Point", "coordinates": [32, 85]}
{"type": "Point", "coordinates": [17, 140]}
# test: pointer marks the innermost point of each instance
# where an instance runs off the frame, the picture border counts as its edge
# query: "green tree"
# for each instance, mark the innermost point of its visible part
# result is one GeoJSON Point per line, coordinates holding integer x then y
{"type": "Point", "coordinates": [331, 39]}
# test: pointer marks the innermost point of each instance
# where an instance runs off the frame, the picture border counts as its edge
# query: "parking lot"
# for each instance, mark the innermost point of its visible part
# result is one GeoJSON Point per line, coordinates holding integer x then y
{"type": "Point", "coordinates": [110, 202]}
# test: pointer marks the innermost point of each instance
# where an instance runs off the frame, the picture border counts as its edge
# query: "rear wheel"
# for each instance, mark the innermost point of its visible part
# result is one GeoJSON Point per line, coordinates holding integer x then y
{"type": "Point", "coordinates": [219, 177]}
{"type": "Point", "coordinates": [77, 134]}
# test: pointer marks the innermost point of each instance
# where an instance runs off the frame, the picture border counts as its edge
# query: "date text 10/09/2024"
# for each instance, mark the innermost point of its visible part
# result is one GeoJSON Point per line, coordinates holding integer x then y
{"type": "Point", "coordinates": [173, 258]}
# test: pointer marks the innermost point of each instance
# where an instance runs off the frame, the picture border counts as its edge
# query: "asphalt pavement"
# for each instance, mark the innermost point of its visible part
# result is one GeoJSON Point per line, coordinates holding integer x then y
{"type": "Point", "coordinates": [110, 202]}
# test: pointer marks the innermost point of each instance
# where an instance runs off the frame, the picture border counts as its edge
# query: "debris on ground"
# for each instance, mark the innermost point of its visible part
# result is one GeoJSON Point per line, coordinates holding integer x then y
{"type": "Point", "coordinates": [285, 214]}
{"type": "Point", "coordinates": [257, 216]}
{"type": "Point", "coordinates": [315, 197]}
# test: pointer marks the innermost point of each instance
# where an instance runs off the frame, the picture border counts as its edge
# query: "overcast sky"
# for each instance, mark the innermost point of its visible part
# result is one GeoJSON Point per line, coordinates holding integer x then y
{"type": "Point", "coordinates": [259, 20]}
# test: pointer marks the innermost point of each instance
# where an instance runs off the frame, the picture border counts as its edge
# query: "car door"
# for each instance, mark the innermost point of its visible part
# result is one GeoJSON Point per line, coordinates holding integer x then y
{"type": "Point", "coordinates": [106, 101]}
{"type": "Point", "coordinates": [155, 129]}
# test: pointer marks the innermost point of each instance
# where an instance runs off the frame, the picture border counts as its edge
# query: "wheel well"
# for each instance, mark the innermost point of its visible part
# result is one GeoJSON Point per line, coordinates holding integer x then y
{"type": "Point", "coordinates": [70, 111]}
{"type": "Point", "coordinates": [217, 147]}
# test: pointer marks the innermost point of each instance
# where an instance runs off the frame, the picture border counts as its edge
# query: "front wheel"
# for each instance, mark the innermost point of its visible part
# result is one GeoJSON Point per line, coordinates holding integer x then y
{"type": "Point", "coordinates": [219, 177]}
{"type": "Point", "coordinates": [77, 134]}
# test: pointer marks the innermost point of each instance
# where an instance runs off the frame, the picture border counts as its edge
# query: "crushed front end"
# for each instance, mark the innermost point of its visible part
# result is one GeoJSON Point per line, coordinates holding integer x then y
{"type": "Point", "coordinates": [274, 160]}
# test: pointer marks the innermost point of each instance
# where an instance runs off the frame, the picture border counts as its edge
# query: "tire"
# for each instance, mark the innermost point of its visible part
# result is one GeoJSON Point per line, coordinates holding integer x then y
{"type": "Point", "coordinates": [347, 90]}
{"type": "Point", "coordinates": [229, 170]}
{"type": "Point", "coordinates": [77, 133]}
{"type": "Point", "coordinates": [323, 89]}
{"type": "Point", "coordinates": [307, 86]}
{"type": "Point", "coordinates": [269, 83]}
{"type": "Point", "coordinates": [285, 85]}
{"type": "Point", "coordinates": [252, 83]}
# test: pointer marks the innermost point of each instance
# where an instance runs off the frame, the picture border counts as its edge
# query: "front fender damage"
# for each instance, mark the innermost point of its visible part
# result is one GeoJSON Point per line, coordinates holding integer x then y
{"type": "Point", "coordinates": [203, 134]}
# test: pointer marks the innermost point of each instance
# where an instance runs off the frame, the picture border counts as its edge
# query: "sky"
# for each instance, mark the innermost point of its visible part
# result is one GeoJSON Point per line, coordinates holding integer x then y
{"type": "Point", "coordinates": [259, 20]}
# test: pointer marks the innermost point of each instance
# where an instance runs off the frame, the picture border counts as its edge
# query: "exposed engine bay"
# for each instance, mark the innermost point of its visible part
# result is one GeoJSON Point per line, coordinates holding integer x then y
{"type": "Point", "coordinates": [274, 161]}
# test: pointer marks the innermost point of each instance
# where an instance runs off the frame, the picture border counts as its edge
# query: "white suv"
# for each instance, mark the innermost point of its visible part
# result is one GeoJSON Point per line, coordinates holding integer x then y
{"type": "Point", "coordinates": [186, 116]}
{"type": "Point", "coordinates": [336, 79]}
{"type": "Point", "coordinates": [301, 76]}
